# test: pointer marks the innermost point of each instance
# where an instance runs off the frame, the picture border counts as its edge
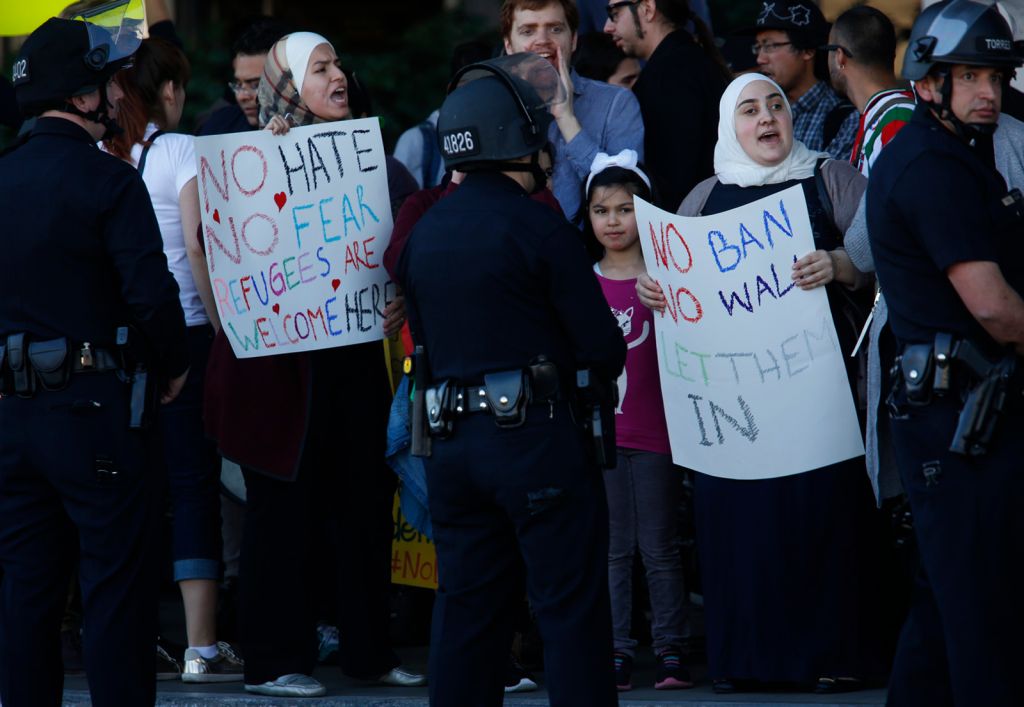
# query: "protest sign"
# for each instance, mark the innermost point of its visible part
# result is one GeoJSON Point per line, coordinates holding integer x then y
{"type": "Point", "coordinates": [751, 370]}
{"type": "Point", "coordinates": [294, 228]}
{"type": "Point", "coordinates": [413, 558]}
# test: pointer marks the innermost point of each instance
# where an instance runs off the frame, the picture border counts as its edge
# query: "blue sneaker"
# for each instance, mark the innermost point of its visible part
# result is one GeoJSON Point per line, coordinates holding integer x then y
{"type": "Point", "coordinates": [328, 636]}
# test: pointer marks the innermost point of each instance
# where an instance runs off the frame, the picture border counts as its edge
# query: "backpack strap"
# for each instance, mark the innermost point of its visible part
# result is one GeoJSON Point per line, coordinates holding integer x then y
{"type": "Point", "coordinates": [834, 120]}
{"type": "Point", "coordinates": [431, 154]}
{"type": "Point", "coordinates": [145, 149]}
{"type": "Point", "coordinates": [823, 196]}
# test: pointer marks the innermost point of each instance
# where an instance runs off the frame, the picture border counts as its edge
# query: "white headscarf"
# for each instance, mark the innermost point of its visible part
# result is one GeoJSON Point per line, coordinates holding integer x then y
{"type": "Point", "coordinates": [734, 166]}
{"type": "Point", "coordinates": [298, 48]}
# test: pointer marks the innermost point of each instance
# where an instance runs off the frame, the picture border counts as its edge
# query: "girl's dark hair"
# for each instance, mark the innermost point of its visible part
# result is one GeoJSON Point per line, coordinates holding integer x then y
{"type": "Point", "coordinates": [156, 62]}
{"type": "Point", "coordinates": [613, 176]}
{"type": "Point", "coordinates": [360, 103]}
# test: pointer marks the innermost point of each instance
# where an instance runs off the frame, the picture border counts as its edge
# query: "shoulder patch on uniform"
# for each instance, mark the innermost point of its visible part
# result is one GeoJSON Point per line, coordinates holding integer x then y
{"type": "Point", "coordinates": [463, 142]}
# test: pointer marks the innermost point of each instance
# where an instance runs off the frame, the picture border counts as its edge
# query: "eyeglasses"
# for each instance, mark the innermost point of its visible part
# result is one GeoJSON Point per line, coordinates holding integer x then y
{"type": "Point", "coordinates": [834, 48]}
{"type": "Point", "coordinates": [250, 86]}
{"type": "Point", "coordinates": [768, 47]}
{"type": "Point", "coordinates": [614, 7]}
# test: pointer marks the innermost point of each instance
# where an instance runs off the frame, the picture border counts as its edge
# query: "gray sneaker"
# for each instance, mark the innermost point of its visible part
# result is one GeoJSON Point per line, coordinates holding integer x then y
{"type": "Point", "coordinates": [293, 685]}
{"type": "Point", "coordinates": [401, 677]}
{"type": "Point", "coordinates": [226, 666]}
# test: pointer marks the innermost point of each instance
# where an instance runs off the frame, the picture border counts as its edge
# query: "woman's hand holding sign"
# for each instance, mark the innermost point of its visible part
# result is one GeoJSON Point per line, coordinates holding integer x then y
{"type": "Point", "coordinates": [822, 267]}
{"type": "Point", "coordinates": [394, 316]}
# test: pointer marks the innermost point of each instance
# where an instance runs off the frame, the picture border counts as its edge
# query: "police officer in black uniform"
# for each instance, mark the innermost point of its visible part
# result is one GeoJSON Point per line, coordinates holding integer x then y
{"type": "Point", "coordinates": [496, 282]}
{"type": "Point", "coordinates": [948, 243]}
{"type": "Point", "coordinates": [82, 258]}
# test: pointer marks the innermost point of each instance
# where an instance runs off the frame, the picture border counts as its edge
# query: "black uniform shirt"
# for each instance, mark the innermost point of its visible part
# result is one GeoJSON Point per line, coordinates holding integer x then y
{"type": "Point", "coordinates": [493, 279]}
{"type": "Point", "coordinates": [932, 203]}
{"type": "Point", "coordinates": [81, 249]}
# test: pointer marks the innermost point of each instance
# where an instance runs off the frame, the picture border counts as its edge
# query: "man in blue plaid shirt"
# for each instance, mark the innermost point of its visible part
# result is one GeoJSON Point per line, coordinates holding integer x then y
{"type": "Point", "coordinates": [788, 41]}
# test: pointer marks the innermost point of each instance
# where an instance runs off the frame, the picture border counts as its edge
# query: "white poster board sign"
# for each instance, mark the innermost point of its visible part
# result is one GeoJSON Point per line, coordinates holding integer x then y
{"type": "Point", "coordinates": [294, 228]}
{"type": "Point", "coordinates": [751, 369]}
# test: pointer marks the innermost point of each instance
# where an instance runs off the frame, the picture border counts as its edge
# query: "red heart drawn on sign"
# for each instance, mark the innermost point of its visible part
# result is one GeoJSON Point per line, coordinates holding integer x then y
{"type": "Point", "coordinates": [335, 283]}
{"type": "Point", "coordinates": [216, 215]}
{"type": "Point", "coordinates": [276, 308]}
{"type": "Point", "coordinates": [280, 198]}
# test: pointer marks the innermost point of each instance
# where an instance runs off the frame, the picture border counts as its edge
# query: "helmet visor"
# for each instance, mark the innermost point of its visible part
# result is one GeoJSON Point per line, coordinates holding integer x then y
{"type": "Point", "coordinates": [119, 25]}
{"type": "Point", "coordinates": [528, 67]}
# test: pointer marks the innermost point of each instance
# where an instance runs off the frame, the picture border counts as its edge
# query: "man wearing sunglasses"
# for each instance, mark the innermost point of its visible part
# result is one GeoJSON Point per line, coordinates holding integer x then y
{"type": "Point", "coordinates": [861, 53]}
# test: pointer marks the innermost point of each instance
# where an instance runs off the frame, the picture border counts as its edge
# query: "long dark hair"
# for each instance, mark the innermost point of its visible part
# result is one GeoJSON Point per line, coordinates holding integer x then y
{"type": "Point", "coordinates": [155, 63]}
{"type": "Point", "coordinates": [610, 177]}
{"type": "Point", "coordinates": [678, 14]}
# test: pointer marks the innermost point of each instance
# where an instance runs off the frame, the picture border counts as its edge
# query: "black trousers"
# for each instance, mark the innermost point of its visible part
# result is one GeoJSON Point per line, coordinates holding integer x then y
{"type": "Point", "coordinates": [334, 518]}
{"type": "Point", "coordinates": [963, 642]}
{"type": "Point", "coordinates": [68, 463]}
{"type": "Point", "coordinates": [502, 500]}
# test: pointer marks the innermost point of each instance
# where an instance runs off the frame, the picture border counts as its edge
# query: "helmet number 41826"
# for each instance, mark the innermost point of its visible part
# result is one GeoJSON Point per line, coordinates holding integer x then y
{"type": "Point", "coordinates": [460, 142]}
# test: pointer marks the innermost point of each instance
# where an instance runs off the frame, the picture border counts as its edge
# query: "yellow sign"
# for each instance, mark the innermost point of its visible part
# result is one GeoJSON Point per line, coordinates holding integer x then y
{"type": "Point", "coordinates": [413, 559]}
{"type": "Point", "coordinates": [19, 17]}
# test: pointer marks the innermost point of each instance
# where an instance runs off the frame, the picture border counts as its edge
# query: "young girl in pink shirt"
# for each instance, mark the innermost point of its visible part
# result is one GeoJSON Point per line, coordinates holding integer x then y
{"type": "Point", "coordinates": [644, 489]}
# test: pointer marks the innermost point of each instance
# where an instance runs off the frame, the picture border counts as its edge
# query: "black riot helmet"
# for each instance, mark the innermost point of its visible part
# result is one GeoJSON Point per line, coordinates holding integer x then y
{"type": "Point", "coordinates": [960, 32]}
{"type": "Point", "coordinates": [497, 111]}
{"type": "Point", "coordinates": [66, 58]}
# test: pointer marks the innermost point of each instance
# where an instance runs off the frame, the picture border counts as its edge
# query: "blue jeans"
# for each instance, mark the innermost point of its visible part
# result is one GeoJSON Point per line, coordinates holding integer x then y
{"type": "Point", "coordinates": [193, 471]}
{"type": "Point", "coordinates": [644, 491]}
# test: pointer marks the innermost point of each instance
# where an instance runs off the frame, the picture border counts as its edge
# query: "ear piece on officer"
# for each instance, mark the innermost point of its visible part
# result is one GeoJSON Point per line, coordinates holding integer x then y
{"type": "Point", "coordinates": [97, 57]}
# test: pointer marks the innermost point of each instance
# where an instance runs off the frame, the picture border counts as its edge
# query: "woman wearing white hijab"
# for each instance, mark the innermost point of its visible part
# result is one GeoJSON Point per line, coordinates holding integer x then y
{"type": "Point", "coordinates": [309, 431]}
{"type": "Point", "coordinates": [781, 558]}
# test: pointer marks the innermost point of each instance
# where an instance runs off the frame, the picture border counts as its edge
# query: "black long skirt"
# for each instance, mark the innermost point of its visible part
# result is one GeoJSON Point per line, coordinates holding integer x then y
{"type": "Point", "coordinates": [785, 574]}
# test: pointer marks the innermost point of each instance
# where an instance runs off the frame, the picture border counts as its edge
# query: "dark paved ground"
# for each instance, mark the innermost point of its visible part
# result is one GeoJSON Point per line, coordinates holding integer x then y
{"type": "Point", "coordinates": [343, 692]}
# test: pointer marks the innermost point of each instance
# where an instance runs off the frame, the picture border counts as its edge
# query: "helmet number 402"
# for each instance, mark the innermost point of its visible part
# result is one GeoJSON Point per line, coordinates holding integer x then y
{"type": "Point", "coordinates": [20, 70]}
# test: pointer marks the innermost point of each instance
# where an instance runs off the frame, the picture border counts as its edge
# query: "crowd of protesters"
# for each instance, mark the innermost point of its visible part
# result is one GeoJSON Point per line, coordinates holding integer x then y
{"type": "Point", "coordinates": [805, 579]}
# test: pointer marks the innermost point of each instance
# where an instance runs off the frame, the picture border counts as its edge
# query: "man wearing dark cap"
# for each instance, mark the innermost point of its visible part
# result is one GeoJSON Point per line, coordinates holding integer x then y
{"type": "Point", "coordinates": [89, 315]}
{"type": "Point", "coordinates": [787, 40]}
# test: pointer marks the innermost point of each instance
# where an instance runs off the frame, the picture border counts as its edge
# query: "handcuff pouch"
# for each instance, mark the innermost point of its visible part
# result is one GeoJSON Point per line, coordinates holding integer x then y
{"type": "Point", "coordinates": [51, 363]}
{"type": "Point", "coordinates": [508, 394]}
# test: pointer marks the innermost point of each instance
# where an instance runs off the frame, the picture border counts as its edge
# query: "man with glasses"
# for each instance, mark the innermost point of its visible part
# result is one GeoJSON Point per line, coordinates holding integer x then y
{"type": "Point", "coordinates": [787, 43]}
{"type": "Point", "coordinates": [598, 117]}
{"type": "Point", "coordinates": [678, 90]}
{"type": "Point", "coordinates": [249, 52]}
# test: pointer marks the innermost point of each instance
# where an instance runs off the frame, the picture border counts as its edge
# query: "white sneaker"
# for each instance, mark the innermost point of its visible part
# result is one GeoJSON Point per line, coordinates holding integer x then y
{"type": "Point", "coordinates": [226, 666]}
{"type": "Point", "coordinates": [400, 677]}
{"type": "Point", "coordinates": [291, 685]}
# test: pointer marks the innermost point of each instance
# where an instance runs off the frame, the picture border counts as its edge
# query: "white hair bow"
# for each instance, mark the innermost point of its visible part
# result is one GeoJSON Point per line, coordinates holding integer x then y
{"type": "Point", "coordinates": [627, 159]}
